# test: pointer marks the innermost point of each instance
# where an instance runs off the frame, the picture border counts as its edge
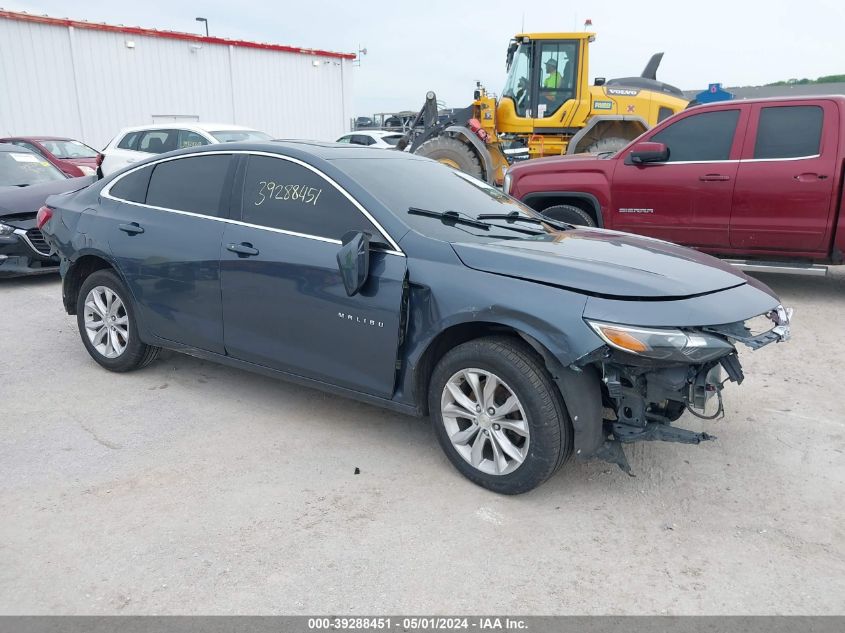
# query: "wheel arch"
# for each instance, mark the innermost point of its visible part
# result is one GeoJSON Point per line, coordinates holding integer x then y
{"type": "Point", "coordinates": [602, 126]}
{"type": "Point", "coordinates": [580, 388]}
{"type": "Point", "coordinates": [584, 201]}
{"type": "Point", "coordinates": [464, 135]}
{"type": "Point", "coordinates": [78, 271]}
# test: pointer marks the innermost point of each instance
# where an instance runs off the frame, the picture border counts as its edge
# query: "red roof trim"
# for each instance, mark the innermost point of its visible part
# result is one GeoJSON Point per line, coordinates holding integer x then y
{"type": "Point", "coordinates": [170, 35]}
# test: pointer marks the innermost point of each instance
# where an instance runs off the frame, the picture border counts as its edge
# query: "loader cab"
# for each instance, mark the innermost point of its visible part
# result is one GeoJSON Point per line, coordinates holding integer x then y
{"type": "Point", "coordinates": [546, 79]}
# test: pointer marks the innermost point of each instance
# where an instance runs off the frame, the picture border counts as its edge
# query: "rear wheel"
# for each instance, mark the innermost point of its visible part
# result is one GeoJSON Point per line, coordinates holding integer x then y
{"type": "Point", "coordinates": [105, 317]}
{"type": "Point", "coordinates": [450, 151]}
{"type": "Point", "coordinates": [570, 214]}
{"type": "Point", "coordinates": [498, 416]}
{"type": "Point", "coordinates": [609, 144]}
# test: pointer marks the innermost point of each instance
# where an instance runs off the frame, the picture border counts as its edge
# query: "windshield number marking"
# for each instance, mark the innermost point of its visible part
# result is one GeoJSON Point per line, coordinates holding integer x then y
{"type": "Point", "coordinates": [298, 193]}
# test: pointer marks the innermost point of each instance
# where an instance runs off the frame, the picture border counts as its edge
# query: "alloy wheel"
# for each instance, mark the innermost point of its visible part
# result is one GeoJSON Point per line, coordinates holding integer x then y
{"type": "Point", "coordinates": [485, 421]}
{"type": "Point", "coordinates": [106, 322]}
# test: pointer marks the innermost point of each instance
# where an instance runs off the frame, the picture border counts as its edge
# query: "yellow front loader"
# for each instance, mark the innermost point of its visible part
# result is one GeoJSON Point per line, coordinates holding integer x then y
{"type": "Point", "coordinates": [547, 107]}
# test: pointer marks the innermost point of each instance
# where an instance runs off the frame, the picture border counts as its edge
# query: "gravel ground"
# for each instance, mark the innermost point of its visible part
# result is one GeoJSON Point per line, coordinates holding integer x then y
{"type": "Point", "coordinates": [193, 488]}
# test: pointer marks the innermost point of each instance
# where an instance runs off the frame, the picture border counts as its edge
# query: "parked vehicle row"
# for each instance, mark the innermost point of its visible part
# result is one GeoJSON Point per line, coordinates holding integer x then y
{"type": "Point", "coordinates": [760, 180]}
{"type": "Point", "coordinates": [26, 180]}
{"type": "Point", "coordinates": [398, 281]}
{"type": "Point", "coordinates": [72, 157]}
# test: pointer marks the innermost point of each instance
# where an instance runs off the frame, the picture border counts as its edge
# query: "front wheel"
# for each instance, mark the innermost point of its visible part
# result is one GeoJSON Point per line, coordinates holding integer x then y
{"type": "Point", "coordinates": [498, 416]}
{"type": "Point", "coordinates": [450, 151]}
{"type": "Point", "coordinates": [570, 214]}
{"type": "Point", "coordinates": [105, 317]}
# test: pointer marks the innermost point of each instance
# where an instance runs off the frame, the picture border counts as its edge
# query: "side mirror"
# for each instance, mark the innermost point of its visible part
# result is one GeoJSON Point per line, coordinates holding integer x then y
{"type": "Point", "coordinates": [648, 152]}
{"type": "Point", "coordinates": [600, 81]}
{"type": "Point", "coordinates": [353, 261]}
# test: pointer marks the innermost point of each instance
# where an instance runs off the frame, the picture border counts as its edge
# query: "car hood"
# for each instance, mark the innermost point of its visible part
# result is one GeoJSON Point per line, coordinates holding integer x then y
{"type": "Point", "coordinates": [605, 263]}
{"type": "Point", "coordinates": [18, 201]}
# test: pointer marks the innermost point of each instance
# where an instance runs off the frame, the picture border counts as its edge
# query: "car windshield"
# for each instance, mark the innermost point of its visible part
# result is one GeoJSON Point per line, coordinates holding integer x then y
{"type": "Point", "coordinates": [236, 136]}
{"type": "Point", "coordinates": [21, 169]}
{"type": "Point", "coordinates": [411, 183]}
{"type": "Point", "coordinates": [69, 149]}
{"type": "Point", "coordinates": [392, 139]}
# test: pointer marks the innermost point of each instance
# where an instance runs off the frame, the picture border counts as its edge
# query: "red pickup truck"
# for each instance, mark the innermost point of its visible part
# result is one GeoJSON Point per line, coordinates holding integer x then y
{"type": "Point", "coordinates": [760, 180]}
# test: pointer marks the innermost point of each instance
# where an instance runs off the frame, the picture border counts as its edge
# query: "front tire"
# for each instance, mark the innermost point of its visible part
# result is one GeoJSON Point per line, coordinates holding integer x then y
{"type": "Point", "coordinates": [105, 317]}
{"type": "Point", "coordinates": [570, 214]}
{"type": "Point", "coordinates": [498, 416]}
{"type": "Point", "coordinates": [450, 151]}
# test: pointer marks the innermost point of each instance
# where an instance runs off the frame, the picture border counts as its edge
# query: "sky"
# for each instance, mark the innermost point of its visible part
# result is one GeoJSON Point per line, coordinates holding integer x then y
{"type": "Point", "coordinates": [447, 46]}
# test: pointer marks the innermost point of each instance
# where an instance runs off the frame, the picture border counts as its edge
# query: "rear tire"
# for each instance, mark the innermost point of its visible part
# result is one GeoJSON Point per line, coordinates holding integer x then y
{"type": "Point", "coordinates": [454, 153]}
{"type": "Point", "coordinates": [570, 214]}
{"type": "Point", "coordinates": [609, 144]}
{"type": "Point", "coordinates": [511, 437]}
{"type": "Point", "coordinates": [105, 317]}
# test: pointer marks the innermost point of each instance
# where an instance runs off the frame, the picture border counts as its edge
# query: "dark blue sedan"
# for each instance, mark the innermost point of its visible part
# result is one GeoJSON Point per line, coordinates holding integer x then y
{"type": "Point", "coordinates": [395, 280]}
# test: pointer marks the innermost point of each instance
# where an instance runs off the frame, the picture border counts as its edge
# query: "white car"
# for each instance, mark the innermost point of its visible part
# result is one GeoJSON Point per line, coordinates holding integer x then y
{"type": "Point", "coordinates": [371, 138]}
{"type": "Point", "coordinates": [137, 143]}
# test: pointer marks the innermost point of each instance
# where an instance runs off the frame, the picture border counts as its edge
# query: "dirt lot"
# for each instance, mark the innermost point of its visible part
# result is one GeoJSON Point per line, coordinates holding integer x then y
{"type": "Point", "coordinates": [193, 488]}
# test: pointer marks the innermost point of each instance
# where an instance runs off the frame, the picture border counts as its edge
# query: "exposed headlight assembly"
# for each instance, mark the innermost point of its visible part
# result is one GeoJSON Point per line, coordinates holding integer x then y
{"type": "Point", "coordinates": [5, 230]}
{"type": "Point", "coordinates": [662, 343]}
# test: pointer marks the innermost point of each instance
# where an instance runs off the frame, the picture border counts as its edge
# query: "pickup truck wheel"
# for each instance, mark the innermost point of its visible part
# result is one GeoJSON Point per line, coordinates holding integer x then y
{"type": "Point", "coordinates": [106, 320]}
{"type": "Point", "coordinates": [570, 214]}
{"type": "Point", "coordinates": [498, 416]}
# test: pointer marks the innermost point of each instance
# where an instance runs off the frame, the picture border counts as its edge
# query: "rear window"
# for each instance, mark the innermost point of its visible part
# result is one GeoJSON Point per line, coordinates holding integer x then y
{"type": "Point", "coordinates": [789, 132]}
{"type": "Point", "coordinates": [391, 140]}
{"type": "Point", "coordinates": [133, 186]}
{"type": "Point", "coordinates": [69, 149]}
{"type": "Point", "coordinates": [130, 141]}
{"type": "Point", "coordinates": [190, 184]}
{"type": "Point", "coordinates": [21, 169]}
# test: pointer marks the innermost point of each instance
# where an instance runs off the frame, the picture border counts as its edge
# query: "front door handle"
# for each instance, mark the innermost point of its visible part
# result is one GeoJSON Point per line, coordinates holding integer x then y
{"type": "Point", "coordinates": [810, 177]}
{"type": "Point", "coordinates": [133, 228]}
{"type": "Point", "coordinates": [714, 178]}
{"type": "Point", "coordinates": [244, 249]}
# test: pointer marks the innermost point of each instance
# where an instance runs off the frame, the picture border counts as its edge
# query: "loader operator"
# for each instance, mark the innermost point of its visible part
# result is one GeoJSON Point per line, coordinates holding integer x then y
{"type": "Point", "coordinates": [554, 80]}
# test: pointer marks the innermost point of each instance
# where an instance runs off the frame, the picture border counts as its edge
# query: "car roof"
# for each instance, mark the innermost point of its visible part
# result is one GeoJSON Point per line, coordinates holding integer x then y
{"type": "Point", "coordinates": [298, 148]}
{"type": "Point", "coordinates": [38, 138]}
{"type": "Point", "coordinates": [189, 125]}
{"type": "Point", "coordinates": [374, 133]}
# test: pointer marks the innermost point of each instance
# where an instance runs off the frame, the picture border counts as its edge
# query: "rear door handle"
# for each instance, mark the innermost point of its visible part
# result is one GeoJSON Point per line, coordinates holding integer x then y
{"type": "Point", "coordinates": [714, 178]}
{"type": "Point", "coordinates": [244, 249]}
{"type": "Point", "coordinates": [133, 228]}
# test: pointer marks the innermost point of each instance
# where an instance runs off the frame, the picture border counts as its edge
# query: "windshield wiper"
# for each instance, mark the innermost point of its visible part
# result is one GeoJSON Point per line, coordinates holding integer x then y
{"type": "Point", "coordinates": [451, 216]}
{"type": "Point", "coordinates": [513, 216]}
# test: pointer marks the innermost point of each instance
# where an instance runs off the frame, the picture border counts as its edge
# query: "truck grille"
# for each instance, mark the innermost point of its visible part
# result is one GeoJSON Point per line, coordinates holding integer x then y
{"type": "Point", "coordinates": [36, 240]}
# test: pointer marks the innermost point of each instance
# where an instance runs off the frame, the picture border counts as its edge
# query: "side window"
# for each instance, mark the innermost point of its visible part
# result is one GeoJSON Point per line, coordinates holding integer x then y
{"type": "Point", "coordinates": [130, 141]}
{"type": "Point", "coordinates": [133, 186]}
{"type": "Point", "coordinates": [190, 184]}
{"type": "Point", "coordinates": [344, 139]}
{"type": "Point", "coordinates": [191, 139]}
{"type": "Point", "coordinates": [704, 136]}
{"type": "Point", "coordinates": [789, 132]}
{"type": "Point", "coordinates": [283, 195]}
{"type": "Point", "coordinates": [158, 141]}
{"type": "Point", "coordinates": [360, 139]}
{"type": "Point", "coordinates": [557, 76]}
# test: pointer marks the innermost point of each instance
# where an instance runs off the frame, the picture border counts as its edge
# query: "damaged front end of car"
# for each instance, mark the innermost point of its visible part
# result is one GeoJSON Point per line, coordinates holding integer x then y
{"type": "Point", "coordinates": [651, 376]}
